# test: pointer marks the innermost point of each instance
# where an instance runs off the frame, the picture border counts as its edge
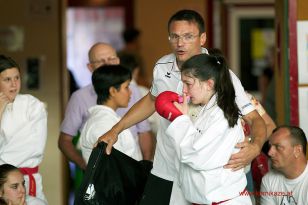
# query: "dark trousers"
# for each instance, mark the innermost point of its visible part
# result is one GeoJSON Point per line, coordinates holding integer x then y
{"type": "Point", "coordinates": [157, 191]}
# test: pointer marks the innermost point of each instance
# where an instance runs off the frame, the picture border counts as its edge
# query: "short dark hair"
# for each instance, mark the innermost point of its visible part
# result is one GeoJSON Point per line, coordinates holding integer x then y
{"type": "Point", "coordinates": [128, 61]}
{"type": "Point", "coordinates": [298, 136]}
{"type": "Point", "coordinates": [5, 169]}
{"type": "Point", "coordinates": [190, 16]}
{"type": "Point", "coordinates": [108, 76]}
{"type": "Point", "coordinates": [7, 63]}
{"type": "Point", "coordinates": [130, 34]}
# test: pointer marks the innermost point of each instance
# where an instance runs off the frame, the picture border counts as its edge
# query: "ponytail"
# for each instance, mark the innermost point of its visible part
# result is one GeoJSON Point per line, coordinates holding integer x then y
{"type": "Point", "coordinates": [226, 93]}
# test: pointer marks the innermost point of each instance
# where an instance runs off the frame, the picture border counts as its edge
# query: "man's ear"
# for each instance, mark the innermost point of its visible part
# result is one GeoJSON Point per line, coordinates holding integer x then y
{"type": "Point", "coordinates": [90, 67]}
{"type": "Point", "coordinates": [298, 150]}
{"type": "Point", "coordinates": [203, 39]}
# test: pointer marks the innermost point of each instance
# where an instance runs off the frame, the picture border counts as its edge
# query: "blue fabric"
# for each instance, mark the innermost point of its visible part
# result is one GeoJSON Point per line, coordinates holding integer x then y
{"type": "Point", "coordinates": [250, 184]}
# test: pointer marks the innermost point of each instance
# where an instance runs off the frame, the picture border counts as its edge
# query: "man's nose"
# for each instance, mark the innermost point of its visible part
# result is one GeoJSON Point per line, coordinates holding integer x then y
{"type": "Point", "coordinates": [271, 151]}
{"type": "Point", "coordinates": [180, 41]}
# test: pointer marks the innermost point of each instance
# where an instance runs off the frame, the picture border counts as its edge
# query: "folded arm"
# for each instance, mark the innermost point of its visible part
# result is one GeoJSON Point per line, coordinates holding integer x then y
{"type": "Point", "coordinates": [249, 150]}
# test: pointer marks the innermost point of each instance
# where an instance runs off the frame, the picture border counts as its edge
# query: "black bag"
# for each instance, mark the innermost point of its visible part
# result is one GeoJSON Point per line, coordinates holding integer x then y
{"type": "Point", "coordinates": [114, 179]}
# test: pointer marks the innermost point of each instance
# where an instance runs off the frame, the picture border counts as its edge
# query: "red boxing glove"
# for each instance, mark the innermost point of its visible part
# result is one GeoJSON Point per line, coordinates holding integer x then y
{"type": "Point", "coordinates": [165, 107]}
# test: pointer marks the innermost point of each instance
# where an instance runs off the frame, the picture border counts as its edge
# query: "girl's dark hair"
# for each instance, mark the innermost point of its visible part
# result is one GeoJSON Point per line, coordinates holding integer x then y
{"type": "Point", "coordinates": [2, 201]}
{"type": "Point", "coordinates": [205, 67]}
{"type": "Point", "coordinates": [108, 76]}
{"type": "Point", "coordinates": [7, 63]}
{"type": "Point", "coordinates": [190, 16]}
{"type": "Point", "coordinates": [5, 169]}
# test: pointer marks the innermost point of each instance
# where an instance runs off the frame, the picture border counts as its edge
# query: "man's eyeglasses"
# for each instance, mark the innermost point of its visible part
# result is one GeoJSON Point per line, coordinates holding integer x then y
{"type": "Point", "coordinates": [108, 61]}
{"type": "Point", "coordinates": [186, 38]}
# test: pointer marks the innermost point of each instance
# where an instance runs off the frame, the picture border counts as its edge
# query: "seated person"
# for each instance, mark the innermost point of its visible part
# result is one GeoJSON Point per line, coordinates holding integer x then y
{"type": "Point", "coordinates": [12, 187]}
{"type": "Point", "coordinates": [111, 84]}
{"type": "Point", "coordinates": [287, 183]}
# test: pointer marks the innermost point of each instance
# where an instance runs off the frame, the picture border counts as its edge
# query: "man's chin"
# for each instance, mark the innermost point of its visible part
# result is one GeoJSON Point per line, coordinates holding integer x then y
{"type": "Point", "coordinates": [276, 167]}
{"type": "Point", "coordinates": [182, 58]}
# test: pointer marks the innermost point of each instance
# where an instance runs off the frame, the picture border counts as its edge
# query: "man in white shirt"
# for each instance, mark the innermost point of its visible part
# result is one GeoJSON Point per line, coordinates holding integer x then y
{"type": "Point", "coordinates": [186, 36]}
{"type": "Point", "coordinates": [287, 183]}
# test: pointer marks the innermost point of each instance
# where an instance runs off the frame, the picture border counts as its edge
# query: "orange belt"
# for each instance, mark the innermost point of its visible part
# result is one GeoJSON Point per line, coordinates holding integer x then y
{"type": "Point", "coordinates": [32, 185]}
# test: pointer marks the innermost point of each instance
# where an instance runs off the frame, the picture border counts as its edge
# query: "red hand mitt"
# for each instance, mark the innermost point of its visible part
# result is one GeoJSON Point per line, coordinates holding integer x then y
{"type": "Point", "coordinates": [165, 107]}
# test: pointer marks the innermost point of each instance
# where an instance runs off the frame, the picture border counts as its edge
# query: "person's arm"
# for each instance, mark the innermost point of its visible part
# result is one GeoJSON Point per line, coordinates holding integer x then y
{"type": "Point", "coordinates": [147, 145]}
{"type": "Point", "coordinates": [143, 129]}
{"type": "Point", "coordinates": [76, 111]}
{"type": "Point", "coordinates": [4, 100]}
{"type": "Point", "coordinates": [67, 147]}
{"type": "Point", "coordinates": [144, 108]}
{"type": "Point", "coordinates": [269, 123]}
{"type": "Point", "coordinates": [249, 150]}
{"type": "Point", "coordinates": [257, 128]}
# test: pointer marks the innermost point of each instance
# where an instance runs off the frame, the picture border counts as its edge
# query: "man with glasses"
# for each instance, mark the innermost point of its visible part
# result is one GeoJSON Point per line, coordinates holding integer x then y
{"type": "Point", "coordinates": [77, 110]}
{"type": "Point", "coordinates": [186, 36]}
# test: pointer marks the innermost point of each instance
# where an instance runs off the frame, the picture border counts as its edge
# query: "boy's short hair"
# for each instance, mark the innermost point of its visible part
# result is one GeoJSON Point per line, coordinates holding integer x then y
{"type": "Point", "coordinates": [190, 16]}
{"type": "Point", "coordinates": [108, 76]}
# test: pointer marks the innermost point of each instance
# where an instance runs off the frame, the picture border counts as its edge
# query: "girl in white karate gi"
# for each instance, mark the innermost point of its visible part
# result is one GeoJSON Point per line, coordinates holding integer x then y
{"type": "Point", "coordinates": [23, 127]}
{"type": "Point", "coordinates": [204, 146]}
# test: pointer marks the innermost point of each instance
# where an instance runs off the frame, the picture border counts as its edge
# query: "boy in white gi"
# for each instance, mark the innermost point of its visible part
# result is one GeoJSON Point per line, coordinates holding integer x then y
{"type": "Point", "coordinates": [204, 146]}
{"type": "Point", "coordinates": [111, 84]}
{"type": "Point", "coordinates": [23, 128]}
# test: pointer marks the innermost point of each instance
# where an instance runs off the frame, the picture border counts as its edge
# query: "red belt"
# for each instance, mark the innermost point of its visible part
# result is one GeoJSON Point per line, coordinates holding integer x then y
{"type": "Point", "coordinates": [215, 203]}
{"type": "Point", "coordinates": [32, 184]}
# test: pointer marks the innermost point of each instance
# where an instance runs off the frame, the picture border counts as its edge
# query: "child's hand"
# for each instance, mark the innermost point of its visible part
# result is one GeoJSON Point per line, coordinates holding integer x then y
{"type": "Point", "coordinates": [4, 100]}
{"type": "Point", "coordinates": [183, 107]}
